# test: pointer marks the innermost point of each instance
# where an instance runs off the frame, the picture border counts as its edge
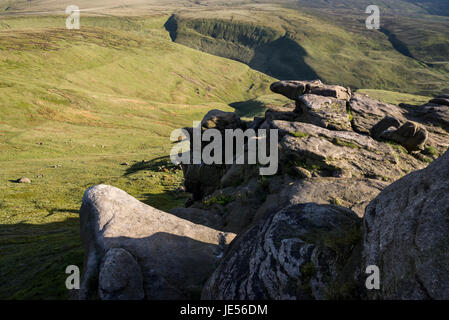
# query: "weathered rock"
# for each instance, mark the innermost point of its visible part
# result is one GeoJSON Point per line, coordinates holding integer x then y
{"type": "Point", "coordinates": [202, 179]}
{"type": "Point", "coordinates": [338, 92]}
{"type": "Point", "coordinates": [410, 135]}
{"type": "Point", "coordinates": [367, 112]}
{"type": "Point", "coordinates": [221, 120]}
{"type": "Point", "coordinates": [295, 89]}
{"type": "Point", "coordinates": [430, 113]}
{"type": "Point", "coordinates": [341, 153]}
{"type": "Point", "coordinates": [300, 252]}
{"type": "Point", "coordinates": [282, 113]}
{"type": "Point", "coordinates": [199, 216]}
{"type": "Point", "coordinates": [354, 194]}
{"type": "Point", "coordinates": [326, 112]}
{"type": "Point", "coordinates": [407, 235]}
{"type": "Point", "coordinates": [24, 180]}
{"type": "Point", "coordinates": [120, 277]}
{"type": "Point", "coordinates": [441, 100]}
{"type": "Point", "coordinates": [175, 256]}
{"type": "Point", "coordinates": [383, 125]}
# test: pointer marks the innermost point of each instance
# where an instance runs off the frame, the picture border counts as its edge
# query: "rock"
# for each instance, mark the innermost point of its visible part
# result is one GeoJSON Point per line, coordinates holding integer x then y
{"type": "Point", "coordinates": [175, 256]}
{"type": "Point", "coordinates": [201, 179]}
{"type": "Point", "coordinates": [255, 124]}
{"type": "Point", "coordinates": [441, 100]}
{"type": "Point", "coordinates": [407, 235]}
{"type": "Point", "coordinates": [285, 112]}
{"type": "Point", "coordinates": [24, 180]}
{"type": "Point", "coordinates": [326, 112]}
{"type": "Point", "coordinates": [383, 125]}
{"type": "Point", "coordinates": [410, 135]}
{"type": "Point", "coordinates": [124, 164]}
{"type": "Point", "coordinates": [367, 112]}
{"type": "Point", "coordinates": [338, 92]}
{"type": "Point", "coordinates": [302, 173]}
{"type": "Point", "coordinates": [339, 153]}
{"type": "Point", "coordinates": [120, 277]}
{"type": "Point", "coordinates": [198, 216]}
{"type": "Point", "coordinates": [295, 89]}
{"type": "Point", "coordinates": [354, 194]}
{"type": "Point", "coordinates": [437, 115]}
{"type": "Point", "coordinates": [300, 252]}
{"type": "Point", "coordinates": [221, 120]}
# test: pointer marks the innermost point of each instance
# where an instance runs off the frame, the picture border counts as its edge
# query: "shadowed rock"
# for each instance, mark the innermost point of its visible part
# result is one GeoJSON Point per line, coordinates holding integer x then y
{"type": "Point", "coordinates": [175, 256]}
{"type": "Point", "coordinates": [301, 252]}
{"type": "Point", "coordinates": [407, 235]}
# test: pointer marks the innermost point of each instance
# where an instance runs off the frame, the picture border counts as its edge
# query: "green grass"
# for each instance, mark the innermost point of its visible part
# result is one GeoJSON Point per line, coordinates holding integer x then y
{"type": "Point", "coordinates": [395, 97]}
{"type": "Point", "coordinates": [299, 134]}
{"type": "Point", "coordinates": [335, 48]}
{"type": "Point", "coordinates": [74, 105]}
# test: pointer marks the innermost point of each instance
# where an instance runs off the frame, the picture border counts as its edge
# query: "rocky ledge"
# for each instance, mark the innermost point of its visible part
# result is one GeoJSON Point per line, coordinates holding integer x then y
{"type": "Point", "coordinates": [359, 183]}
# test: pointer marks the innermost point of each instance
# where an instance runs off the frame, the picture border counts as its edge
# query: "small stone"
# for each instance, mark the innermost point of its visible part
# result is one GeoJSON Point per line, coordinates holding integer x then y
{"type": "Point", "coordinates": [24, 180]}
{"type": "Point", "coordinates": [124, 164]}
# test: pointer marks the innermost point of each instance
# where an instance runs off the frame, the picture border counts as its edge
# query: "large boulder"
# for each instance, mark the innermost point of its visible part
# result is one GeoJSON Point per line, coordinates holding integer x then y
{"type": "Point", "coordinates": [407, 235]}
{"type": "Point", "coordinates": [305, 251]}
{"type": "Point", "coordinates": [133, 251]}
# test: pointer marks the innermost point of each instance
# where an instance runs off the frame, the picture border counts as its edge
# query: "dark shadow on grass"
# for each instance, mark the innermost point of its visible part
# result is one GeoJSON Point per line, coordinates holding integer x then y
{"type": "Point", "coordinates": [278, 56]}
{"type": "Point", "coordinates": [152, 165]}
{"type": "Point", "coordinates": [249, 108]}
{"type": "Point", "coordinates": [283, 59]}
{"type": "Point", "coordinates": [59, 210]}
{"type": "Point", "coordinates": [34, 258]}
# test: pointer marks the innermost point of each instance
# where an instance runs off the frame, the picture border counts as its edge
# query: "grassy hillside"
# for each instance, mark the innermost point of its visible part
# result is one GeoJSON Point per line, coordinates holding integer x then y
{"type": "Point", "coordinates": [74, 105]}
{"type": "Point", "coordinates": [290, 44]}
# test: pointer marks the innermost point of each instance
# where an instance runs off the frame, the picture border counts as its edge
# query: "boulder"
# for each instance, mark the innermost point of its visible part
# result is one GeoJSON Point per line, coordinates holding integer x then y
{"type": "Point", "coordinates": [301, 252]}
{"type": "Point", "coordinates": [201, 179]}
{"type": "Point", "coordinates": [293, 89]}
{"type": "Point", "coordinates": [367, 112]}
{"type": "Point", "coordinates": [133, 251]}
{"type": "Point", "coordinates": [326, 112]}
{"type": "Point", "coordinates": [410, 135]}
{"type": "Point", "coordinates": [24, 180]}
{"type": "Point", "coordinates": [383, 125]}
{"type": "Point", "coordinates": [429, 114]}
{"type": "Point", "coordinates": [441, 100]}
{"type": "Point", "coordinates": [407, 235]}
{"type": "Point", "coordinates": [120, 276]}
{"type": "Point", "coordinates": [221, 120]}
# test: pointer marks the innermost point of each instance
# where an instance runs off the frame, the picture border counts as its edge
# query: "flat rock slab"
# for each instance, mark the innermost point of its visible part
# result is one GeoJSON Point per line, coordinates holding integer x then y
{"type": "Point", "coordinates": [175, 256]}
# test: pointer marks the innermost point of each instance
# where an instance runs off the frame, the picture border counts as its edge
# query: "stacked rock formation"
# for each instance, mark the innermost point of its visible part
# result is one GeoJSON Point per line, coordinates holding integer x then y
{"type": "Point", "coordinates": [303, 232]}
